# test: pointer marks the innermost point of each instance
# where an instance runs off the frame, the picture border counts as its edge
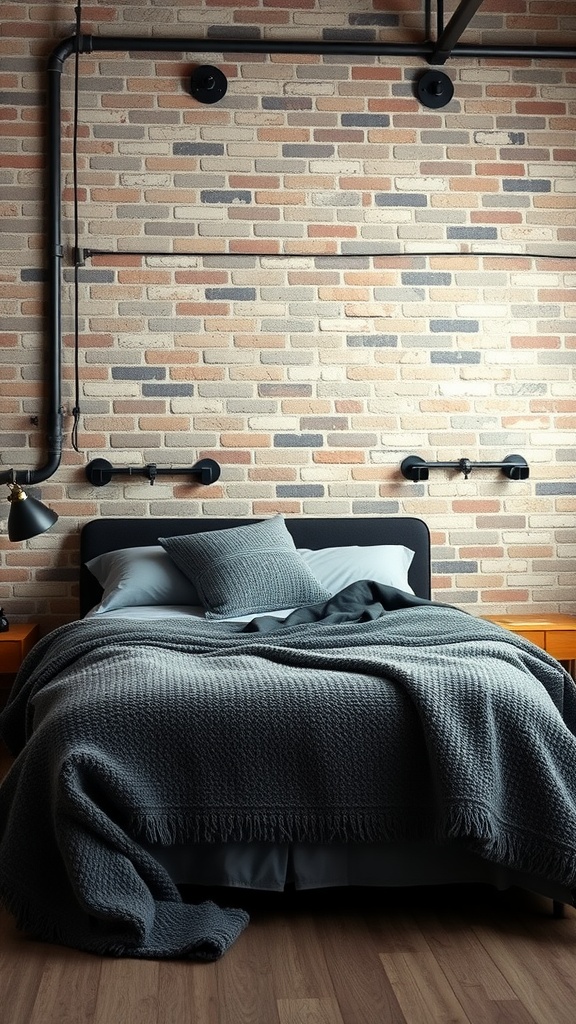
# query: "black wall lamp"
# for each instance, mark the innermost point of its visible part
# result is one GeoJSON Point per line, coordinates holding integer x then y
{"type": "Point", "coordinates": [100, 472]}
{"type": "Point", "coordinates": [28, 517]}
{"type": "Point", "coordinates": [416, 469]}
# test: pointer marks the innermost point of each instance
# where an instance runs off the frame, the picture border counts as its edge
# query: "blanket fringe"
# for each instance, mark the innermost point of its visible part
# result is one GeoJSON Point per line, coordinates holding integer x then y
{"type": "Point", "coordinates": [473, 825]}
{"type": "Point", "coordinates": [168, 829]}
{"type": "Point", "coordinates": [501, 843]}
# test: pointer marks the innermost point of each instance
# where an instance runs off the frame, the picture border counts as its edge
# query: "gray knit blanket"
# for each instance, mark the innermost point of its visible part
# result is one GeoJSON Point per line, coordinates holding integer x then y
{"type": "Point", "coordinates": [425, 723]}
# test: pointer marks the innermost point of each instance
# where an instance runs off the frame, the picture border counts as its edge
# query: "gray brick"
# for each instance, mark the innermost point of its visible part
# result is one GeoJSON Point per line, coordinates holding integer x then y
{"type": "Point", "coordinates": [198, 180]}
{"type": "Point", "coordinates": [559, 488]}
{"type": "Point", "coordinates": [226, 196]}
{"type": "Point", "coordinates": [87, 276]}
{"type": "Point", "coordinates": [352, 440]}
{"type": "Point", "coordinates": [167, 390]}
{"type": "Point", "coordinates": [181, 228]}
{"type": "Point", "coordinates": [20, 99]}
{"type": "Point", "coordinates": [507, 202]}
{"type": "Point", "coordinates": [251, 405]}
{"type": "Point", "coordinates": [365, 120]}
{"type": "Point", "coordinates": [307, 150]}
{"type": "Point", "coordinates": [344, 35]}
{"type": "Point", "coordinates": [300, 490]}
{"type": "Point", "coordinates": [33, 274]}
{"type": "Point", "coordinates": [324, 423]}
{"type": "Point", "coordinates": [461, 326]}
{"type": "Point", "coordinates": [284, 357]}
{"type": "Point", "coordinates": [275, 326]}
{"type": "Point", "coordinates": [377, 508]}
{"type": "Point", "coordinates": [321, 72]}
{"type": "Point", "coordinates": [284, 390]}
{"type": "Point", "coordinates": [458, 597]}
{"type": "Point", "coordinates": [543, 76]}
{"type": "Point", "coordinates": [445, 138]}
{"type": "Point", "coordinates": [372, 340]}
{"type": "Point", "coordinates": [298, 441]}
{"type": "Point", "coordinates": [198, 149]}
{"type": "Point", "coordinates": [439, 280]}
{"type": "Point", "coordinates": [400, 199]}
{"type": "Point", "coordinates": [181, 325]}
{"type": "Point", "coordinates": [121, 131]}
{"type": "Point", "coordinates": [286, 103]}
{"type": "Point", "coordinates": [454, 567]}
{"type": "Point", "coordinates": [526, 185]}
{"type": "Point", "coordinates": [231, 294]}
{"type": "Point", "coordinates": [232, 32]}
{"type": "Point", "coordinates": [469, 232]}
{"type": "Point", "coordinates": [133, 211]}
{"type": "Point", "coordinates": [455, 357]}
{"type": "Point", "coordinates": [528, 122]}
{"type": "Point", "coordinates": [138, 373]}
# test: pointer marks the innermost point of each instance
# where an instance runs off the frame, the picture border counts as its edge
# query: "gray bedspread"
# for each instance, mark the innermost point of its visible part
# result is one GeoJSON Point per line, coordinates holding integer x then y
{"type": "Point", "coordinates": [422, 723]}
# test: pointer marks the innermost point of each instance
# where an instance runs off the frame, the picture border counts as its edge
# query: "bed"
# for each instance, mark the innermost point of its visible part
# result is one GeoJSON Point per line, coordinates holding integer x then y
{"type": "Point", "coordinates": [267, 704]}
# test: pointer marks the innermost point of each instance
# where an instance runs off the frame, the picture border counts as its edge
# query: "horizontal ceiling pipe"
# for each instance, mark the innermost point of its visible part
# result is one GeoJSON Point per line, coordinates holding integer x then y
{"type": "Point", "coordinates": [425, 49]}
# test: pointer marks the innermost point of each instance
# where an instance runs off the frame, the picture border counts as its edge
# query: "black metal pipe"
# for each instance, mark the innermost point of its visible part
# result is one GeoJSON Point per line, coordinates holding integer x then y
{"type": "Point", "coordinates": [423, 49]}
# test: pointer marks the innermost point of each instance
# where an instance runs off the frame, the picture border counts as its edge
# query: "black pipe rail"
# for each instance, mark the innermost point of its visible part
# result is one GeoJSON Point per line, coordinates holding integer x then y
{"type": "Point", "coordinates": [416, 469]}
{"type": "Point", "coordinates": [99, 472]}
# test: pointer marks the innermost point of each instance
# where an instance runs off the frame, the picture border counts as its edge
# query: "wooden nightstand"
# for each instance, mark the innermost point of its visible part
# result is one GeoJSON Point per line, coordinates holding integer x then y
{"type": "Point", "coordinates": [14, 645]}
{"type": "Point", "coordinates": [553, 632]}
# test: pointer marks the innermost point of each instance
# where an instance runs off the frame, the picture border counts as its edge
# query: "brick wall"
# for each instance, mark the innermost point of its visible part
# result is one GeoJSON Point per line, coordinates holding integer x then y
{"type": "Point", "coordinates": [289, 347]}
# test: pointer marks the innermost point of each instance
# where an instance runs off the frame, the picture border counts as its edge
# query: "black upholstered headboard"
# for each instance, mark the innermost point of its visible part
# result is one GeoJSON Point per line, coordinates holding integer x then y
{"type": "Point", "coordinates": [102, 535]}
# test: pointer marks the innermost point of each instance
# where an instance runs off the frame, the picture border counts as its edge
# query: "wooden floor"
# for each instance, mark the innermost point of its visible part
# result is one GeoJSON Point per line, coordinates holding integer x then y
{"type": "Point", "coordinates": [433, 956]}
{"type": "Point", "coordinates": [458, 955]}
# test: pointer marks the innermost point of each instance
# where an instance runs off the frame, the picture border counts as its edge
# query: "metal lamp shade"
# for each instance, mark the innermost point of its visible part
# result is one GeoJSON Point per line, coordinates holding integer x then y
{"type": "Point", "coordinates": [28, 517]}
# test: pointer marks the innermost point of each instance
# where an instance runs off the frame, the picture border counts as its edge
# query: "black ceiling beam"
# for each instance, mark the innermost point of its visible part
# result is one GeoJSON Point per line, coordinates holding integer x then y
{"type": "Point", "coordinates": [451, 34]}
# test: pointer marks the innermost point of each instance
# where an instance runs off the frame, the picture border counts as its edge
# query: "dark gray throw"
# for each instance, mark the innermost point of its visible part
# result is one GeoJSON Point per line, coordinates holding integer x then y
{"type": "Point", "coordinates": [421, 723]}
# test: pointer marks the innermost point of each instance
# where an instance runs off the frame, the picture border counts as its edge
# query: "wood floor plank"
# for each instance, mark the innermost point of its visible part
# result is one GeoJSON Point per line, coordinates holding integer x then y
{"type": "Point", "coordinates": [68, 988]}
{"type": "Point", "coordinates": [422, 989]}
{"type": "Point", "coordinates": [245, 976]}
{"type": "Point", "coordinates": [128, 992]}
{"type": "Point", "coordinates": [187, 991]}
{"type": "Point", "coordinates": [364, 993]}
{"type": "Point", "coordinates": [303, 972]}
{"type": "Point", "coordinates": [21, 967]}
{"type": "Point", "coordinates": [309, 1011]}
{"type": "Point", "coordinates": [542, 985]}
{"type": "Point", "coordinates": [478, 983]}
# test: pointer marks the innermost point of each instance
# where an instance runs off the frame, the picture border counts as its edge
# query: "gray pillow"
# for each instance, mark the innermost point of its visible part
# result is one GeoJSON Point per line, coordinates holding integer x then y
{"type": "Point", "coordinates": [244, 570]}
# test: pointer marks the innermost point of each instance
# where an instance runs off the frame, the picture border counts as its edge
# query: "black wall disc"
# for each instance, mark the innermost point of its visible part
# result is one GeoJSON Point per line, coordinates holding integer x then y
{"type": "Point", "coordinates": [434, 89]}
{"type": "Point", "coordinates": [208, 84]}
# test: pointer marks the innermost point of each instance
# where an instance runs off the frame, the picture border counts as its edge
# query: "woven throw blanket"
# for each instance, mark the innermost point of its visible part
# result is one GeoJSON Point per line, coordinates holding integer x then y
{"type": "Point", "coordinates": [422, 723]}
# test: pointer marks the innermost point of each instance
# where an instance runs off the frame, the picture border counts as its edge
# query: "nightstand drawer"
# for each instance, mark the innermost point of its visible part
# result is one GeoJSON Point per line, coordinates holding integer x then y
{"type": "Point", "coordinates": [561, 644]}
{"type": "Point", "coordinates": [10, 655]}
{"type": "Point", "coordinates": [537, 637]}
{"type": "Point", "coordinates": [15, 643]}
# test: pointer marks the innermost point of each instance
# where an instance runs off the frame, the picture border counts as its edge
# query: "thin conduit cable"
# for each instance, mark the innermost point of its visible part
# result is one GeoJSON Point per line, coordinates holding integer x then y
{"type": "Point", "coordinates": [88, 253]}
{"type": "Point", "coordinates": [76, 409]}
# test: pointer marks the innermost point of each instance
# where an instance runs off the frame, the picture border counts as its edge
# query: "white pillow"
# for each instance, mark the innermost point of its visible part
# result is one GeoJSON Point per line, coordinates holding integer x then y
{"type": "Point", "coordinates": [336, 568]}
{"type": "Point", "coordinates": [140, 576]}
